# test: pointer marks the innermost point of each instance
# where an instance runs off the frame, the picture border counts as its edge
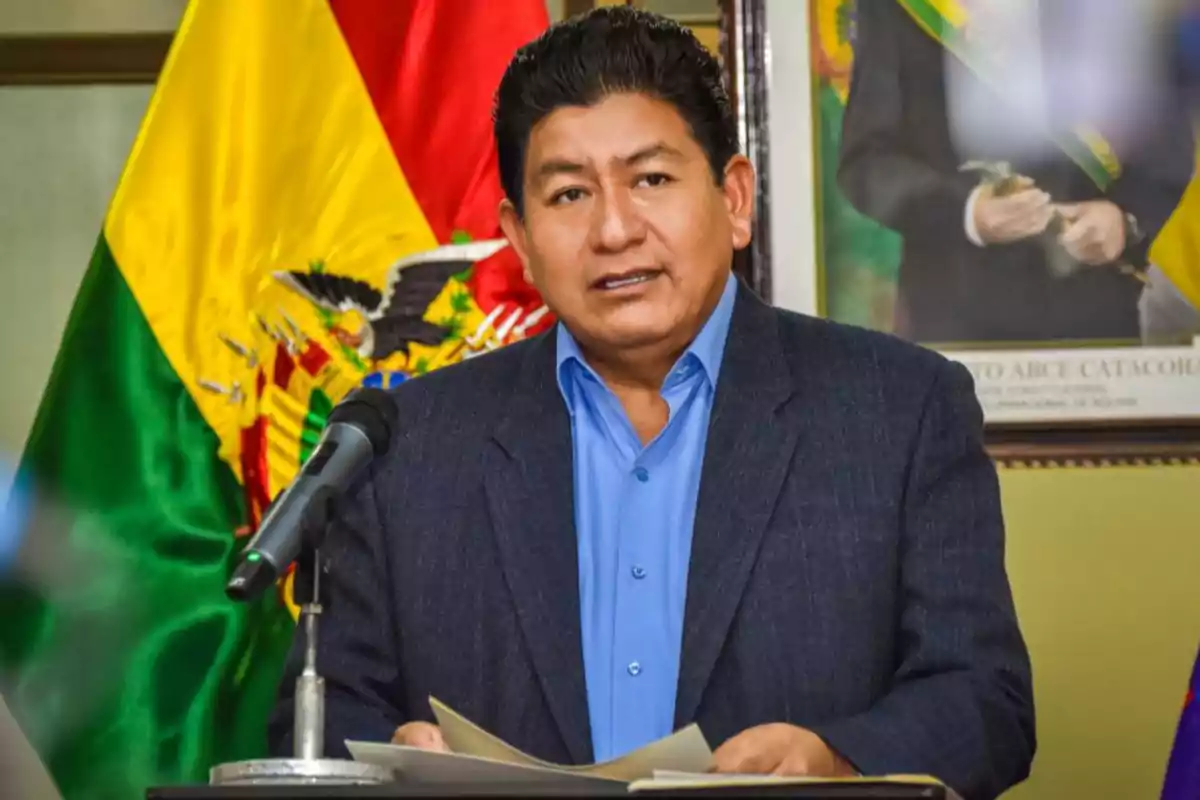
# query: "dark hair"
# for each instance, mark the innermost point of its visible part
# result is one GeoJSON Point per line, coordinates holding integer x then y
{"type": "Point", "coordinates": [612, 49]}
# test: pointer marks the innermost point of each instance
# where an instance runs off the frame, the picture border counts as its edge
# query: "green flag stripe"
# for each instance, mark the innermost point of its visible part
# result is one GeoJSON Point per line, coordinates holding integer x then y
{"type": "Point", "coordinates": [120, 654]}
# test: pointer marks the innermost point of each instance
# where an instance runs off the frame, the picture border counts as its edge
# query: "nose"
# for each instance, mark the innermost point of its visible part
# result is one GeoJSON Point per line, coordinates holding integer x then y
{"type": "Point", "coordinates": [617, 222]}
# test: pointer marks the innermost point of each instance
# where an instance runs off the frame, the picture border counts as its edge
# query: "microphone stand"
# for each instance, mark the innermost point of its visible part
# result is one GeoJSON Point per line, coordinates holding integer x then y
{"type": "Point", "coordinates": [308, 766]}
{"type": "Point", "coordinates": [308, 721]}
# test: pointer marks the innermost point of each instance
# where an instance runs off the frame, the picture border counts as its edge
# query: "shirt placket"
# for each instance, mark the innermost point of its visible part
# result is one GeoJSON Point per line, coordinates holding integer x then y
{"type": "Point", "coordinates": [640, 648]}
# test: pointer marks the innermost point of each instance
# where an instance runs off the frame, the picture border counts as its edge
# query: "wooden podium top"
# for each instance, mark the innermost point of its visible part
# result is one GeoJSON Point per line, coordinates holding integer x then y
{"type": "Point", "coordinates": [859, 791]}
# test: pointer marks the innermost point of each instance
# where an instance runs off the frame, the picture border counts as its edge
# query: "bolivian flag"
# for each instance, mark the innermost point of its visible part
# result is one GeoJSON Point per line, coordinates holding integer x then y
{"type": "Point", "coordinates": [310, 205]}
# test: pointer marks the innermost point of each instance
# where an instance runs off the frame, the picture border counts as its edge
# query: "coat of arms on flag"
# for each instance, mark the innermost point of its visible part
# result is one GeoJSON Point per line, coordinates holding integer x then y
{"type": "Point", "coordinates": [421, 314]}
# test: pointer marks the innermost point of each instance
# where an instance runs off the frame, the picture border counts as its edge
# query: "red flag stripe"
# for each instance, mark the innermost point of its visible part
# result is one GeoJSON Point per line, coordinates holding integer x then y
{"type": "Point", "coordinates": [431, 68]}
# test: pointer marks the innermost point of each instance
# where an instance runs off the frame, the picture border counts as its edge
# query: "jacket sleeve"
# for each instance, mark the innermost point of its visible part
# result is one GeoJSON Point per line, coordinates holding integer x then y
{"type": "Point", "coordinates": [357, 651]}
{"type": "Point", "coordinates": [960, 706]}
{"type": "Point", "coordinates": [877, 170]}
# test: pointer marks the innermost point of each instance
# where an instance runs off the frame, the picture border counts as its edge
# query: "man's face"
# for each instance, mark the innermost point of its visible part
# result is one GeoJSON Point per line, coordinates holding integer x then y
{"type": "Point", "coordinates": [625, 233]}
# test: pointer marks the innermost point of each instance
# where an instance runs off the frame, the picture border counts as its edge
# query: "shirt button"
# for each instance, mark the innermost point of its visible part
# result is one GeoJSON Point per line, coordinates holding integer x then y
{"type": "Point", "coordinates": [638, 571]}
{"type": "Point", "coordinates": [634, 668]}
{"type": "Point", "coordinates": [641, 474]}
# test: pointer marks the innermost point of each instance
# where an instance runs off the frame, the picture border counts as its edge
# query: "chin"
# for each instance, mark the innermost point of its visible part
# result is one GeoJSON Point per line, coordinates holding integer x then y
{"type": "Point", "coordinates": [631, 327]}
{"type": "Point", "coordinates": [634, 336]}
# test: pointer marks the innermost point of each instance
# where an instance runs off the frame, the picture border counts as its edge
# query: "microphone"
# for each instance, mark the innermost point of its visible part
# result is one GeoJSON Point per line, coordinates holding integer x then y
{"type": "Point", "coordinates": [359, 429]}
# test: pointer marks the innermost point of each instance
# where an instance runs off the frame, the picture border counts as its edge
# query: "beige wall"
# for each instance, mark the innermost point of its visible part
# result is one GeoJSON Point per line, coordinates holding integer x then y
{"type": "Point", "coordinates": [61, 152]}
{"type": "Point", "coordinates": [1105, 567]}
{"type": "Point", "coordinates": [89, 16]}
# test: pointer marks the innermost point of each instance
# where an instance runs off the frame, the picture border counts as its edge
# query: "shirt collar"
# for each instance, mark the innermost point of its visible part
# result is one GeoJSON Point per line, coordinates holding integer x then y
{"type": "Point", "coordinates": [708, 347]}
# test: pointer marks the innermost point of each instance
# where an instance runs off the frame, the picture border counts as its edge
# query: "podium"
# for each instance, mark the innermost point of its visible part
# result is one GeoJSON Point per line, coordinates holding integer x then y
{"type": "Point", "coordinates": [858, 791]}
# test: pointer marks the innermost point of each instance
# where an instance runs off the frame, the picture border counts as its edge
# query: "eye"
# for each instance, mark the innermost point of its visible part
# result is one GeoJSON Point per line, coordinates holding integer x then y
{"type": "Point", "coordinates": [654, 179]}
{"type": "Point", "coordinates": [567, 196]}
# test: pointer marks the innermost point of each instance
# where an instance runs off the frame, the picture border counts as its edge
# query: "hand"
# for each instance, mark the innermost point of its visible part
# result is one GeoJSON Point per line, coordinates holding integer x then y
{"type": "Point", "coordinates": [1095, 231]}
{"type": "Point", "coordinates": [422, 735]}
{"type": "Point", "coordinates": [1012, 217]}
{"type": "Point", "coordinates": [780, 749]}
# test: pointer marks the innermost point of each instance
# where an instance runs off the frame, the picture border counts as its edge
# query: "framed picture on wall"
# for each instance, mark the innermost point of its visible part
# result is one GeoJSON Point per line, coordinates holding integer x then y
{"type": "Point", "coordinates": [1014, 190]}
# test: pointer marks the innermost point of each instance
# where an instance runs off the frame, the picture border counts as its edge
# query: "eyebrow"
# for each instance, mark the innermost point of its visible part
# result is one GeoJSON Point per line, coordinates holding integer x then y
{"type": "Point", "coordinates": [649, 152]}
{"type": "Point", "coordinates": [562, 166]}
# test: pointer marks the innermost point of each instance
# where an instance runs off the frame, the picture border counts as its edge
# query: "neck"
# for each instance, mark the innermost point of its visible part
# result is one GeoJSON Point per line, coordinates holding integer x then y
{"type": "Point", "coordinates": [644, 367]}
{"type": "Point", "coordinates": [640, 368]}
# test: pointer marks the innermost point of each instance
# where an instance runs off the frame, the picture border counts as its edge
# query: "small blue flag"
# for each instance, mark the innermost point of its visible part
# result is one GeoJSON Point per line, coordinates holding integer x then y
{"type": "Point", "coordinates": [14, 511]}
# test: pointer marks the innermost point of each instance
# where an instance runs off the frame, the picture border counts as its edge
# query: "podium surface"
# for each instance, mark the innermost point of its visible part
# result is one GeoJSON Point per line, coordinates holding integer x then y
{"type": "Point", "coordinates": [859, 791]}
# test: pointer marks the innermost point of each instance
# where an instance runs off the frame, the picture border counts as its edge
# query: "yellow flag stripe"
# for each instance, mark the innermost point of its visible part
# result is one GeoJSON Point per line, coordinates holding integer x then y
{"type": "Point", "coordinates": [1176, 249]}
{"type": "Point", "coordinates": [260, 152]}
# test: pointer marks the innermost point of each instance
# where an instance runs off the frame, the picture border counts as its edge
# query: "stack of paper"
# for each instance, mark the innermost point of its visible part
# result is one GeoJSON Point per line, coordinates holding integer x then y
{"type": "Point", "coordinates": [681, 761]}
{"type": "Point", "coordinates": [480, 757]}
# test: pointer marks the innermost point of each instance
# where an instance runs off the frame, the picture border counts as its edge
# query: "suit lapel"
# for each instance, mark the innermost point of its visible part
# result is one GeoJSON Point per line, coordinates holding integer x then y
{"type": "Point", "coordinates": [745, 462]}
{"type": "Point", "coordinates": [530, 489]}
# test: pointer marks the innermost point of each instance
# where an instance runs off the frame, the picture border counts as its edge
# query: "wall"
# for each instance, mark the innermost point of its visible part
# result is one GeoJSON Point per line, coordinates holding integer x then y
{"type": "Point", "coordinates": [89, 16]}
{"type": "Point", "coordinates": [61, 152]}
{"type": "Point", "coordinates": [1105, 567]}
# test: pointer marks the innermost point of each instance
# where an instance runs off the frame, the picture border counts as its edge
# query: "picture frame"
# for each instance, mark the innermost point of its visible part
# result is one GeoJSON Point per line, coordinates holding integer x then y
{"type": "Point", "coordinates": [82, 59]}
{"type": "Point", "coordinates": [1097, 404]}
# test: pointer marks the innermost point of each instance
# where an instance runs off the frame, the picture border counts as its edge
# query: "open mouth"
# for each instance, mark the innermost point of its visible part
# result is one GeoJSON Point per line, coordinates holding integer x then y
{"type": "Point", "coordinates": [624, 280]}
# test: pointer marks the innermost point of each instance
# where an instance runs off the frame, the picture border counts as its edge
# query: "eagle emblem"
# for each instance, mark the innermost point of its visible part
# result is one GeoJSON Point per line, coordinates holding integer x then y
{"type": "Point", "coordinates": [378, 323]}
{"type": "Point", "coordinates": [431, 309]}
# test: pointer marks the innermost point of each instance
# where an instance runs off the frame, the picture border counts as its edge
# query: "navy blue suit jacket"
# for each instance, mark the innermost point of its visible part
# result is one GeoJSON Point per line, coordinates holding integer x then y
{"type": "Point", "coordinates": [847, 570]}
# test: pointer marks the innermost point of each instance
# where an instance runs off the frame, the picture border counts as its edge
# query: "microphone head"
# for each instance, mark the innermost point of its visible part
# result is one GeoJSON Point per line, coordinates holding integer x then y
{"type": "Point", "coordinates": [370, 410]}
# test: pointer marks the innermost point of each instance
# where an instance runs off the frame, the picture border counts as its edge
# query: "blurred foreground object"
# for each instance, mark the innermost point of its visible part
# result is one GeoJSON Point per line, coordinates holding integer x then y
{"type": "Point", "coordinates": [1183, 770]}
{"type": "Point", "coordinates": [22, 773]}
{"type": "Point", "coordinates": [299, 161]}
{"type": "Point", "coordinates": [13, 509]}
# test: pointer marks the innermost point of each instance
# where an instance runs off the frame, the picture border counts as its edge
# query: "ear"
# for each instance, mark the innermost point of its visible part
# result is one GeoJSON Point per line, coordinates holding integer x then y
{"type": "Point", "coordinates": [739, 198]}
{"type": "Point", "coordinates": [514, 230]}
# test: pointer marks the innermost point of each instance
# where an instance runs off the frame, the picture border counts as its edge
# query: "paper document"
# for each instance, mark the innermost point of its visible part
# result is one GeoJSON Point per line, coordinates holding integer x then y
{"type": "Point", "coordinates": [668, 780]}
{"type": "Point", "coordinates": [478, 756]}
{"type": "Point", "coordinates": [425, 767]}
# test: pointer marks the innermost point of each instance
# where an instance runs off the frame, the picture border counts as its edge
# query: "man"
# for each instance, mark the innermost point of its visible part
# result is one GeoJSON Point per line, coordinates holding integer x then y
{"type": "Point", "coordinates": [680, 505]}
{"type": "Point", "coordinates": [979, 265]}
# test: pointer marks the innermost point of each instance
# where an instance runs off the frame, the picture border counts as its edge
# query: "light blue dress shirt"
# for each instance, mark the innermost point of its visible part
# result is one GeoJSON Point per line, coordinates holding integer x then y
{"type": "Point", "coordinates": [634, 511]}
